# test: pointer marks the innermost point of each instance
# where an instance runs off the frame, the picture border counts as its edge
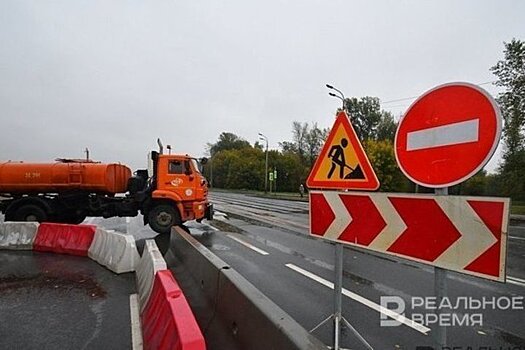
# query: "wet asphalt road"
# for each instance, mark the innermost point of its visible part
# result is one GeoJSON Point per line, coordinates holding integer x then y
{"type": "Point", "coordinates": [52, 301]}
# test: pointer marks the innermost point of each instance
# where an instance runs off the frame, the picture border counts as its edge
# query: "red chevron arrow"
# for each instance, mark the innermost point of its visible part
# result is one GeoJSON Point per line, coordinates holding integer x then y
{"type": "Point", "coordinates": [323, 217]}
{"type": "Point", "coordinates": [366, 223]}
{"type": "Point", "coordinates": [429, 231]}
{"type": "Point", "coordinates": [492, 215]}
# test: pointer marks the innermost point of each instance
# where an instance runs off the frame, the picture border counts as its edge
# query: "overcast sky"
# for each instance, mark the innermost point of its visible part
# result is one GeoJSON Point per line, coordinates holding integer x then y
{"type": "Point", "coordinates": [115, 75]}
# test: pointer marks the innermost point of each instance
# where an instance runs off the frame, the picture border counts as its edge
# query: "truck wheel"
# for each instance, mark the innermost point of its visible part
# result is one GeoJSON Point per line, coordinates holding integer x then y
{"type": "Point", "coordinates": [30, 212]}
{"type": "Point", "coordinates": [71, 219]}
{"type": "Point", "coordinates": [78, 219]}
{"type": "Point", "coordinates": [162, 217]}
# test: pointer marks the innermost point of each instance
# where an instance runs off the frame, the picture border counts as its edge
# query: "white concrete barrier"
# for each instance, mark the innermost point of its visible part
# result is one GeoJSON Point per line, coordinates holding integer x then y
{"type": "Point", "coordinates": [151, 262]}
{"type": "Point", "coordinates": [114, 250]}
{"type": "Point", "coordinates": [17, 235]}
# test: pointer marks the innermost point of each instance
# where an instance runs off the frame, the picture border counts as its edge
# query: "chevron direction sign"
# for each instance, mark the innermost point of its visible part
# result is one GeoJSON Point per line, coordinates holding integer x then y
{"type": "Point", "coordinates": [464, 234]}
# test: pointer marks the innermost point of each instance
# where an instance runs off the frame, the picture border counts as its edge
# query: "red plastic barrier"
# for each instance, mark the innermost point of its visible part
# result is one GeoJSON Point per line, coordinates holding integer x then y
{"type": "Point", "coordinates": [65, 239]}
{"type": "Point", "coordinates": [167, 320]}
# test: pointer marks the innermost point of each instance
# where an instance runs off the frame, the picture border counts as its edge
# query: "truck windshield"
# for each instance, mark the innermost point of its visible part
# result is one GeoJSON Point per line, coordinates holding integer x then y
{"type": "Point", "coordinates": [197, 166]}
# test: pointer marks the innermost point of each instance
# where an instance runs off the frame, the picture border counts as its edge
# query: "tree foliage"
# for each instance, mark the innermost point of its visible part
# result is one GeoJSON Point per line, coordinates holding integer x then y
{"type": "Point", "coordinates": [306, 143]}
{"type": "Point", "coordinates": [228, 141]}
{"type": "Point", "coordinates": [365, 114]}
{"type": "Point", "coordinates": [511, 77]}
{"type": "Point", "coordinates": [383, 160]}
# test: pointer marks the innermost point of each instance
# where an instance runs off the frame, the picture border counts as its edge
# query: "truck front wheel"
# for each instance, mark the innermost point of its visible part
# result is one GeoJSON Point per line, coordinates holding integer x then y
{"type": "Point", "coordinates": [30, 212]}
{"type": "Point", "coordinates": [162, 217]}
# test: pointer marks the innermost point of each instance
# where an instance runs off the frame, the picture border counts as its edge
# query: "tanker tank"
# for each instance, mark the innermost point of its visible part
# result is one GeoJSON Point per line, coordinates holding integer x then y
{"type": "Point", "coordinates": [63, 176]}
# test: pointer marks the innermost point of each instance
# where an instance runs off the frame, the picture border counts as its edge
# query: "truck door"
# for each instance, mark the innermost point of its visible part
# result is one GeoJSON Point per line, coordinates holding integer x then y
{"type": "Point", "coordinates": [180, 179]}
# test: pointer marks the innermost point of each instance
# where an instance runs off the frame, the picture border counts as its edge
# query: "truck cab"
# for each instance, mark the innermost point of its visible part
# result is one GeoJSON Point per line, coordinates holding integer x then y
{"type": "Point", "coordinates": [179, 192]}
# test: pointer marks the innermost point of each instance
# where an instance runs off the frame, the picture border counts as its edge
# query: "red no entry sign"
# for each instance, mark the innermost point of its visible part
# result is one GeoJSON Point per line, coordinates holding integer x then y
{"type": "Point", "coordinates": [448, 135]}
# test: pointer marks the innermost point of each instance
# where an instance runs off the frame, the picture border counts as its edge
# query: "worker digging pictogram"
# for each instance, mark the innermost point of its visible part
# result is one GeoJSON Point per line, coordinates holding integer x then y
{"type": "Point", "coordinates": [342, 162]}
{"type": "Point", "coordinates": [337, 155]}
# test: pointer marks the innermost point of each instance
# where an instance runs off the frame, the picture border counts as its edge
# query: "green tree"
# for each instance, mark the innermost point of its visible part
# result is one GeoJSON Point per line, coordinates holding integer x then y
{"type": "Point", "coordinates": [476, 185]}
{"type": "Point", "coordinates": [386, 128]}
{"type": "Point", "coordinates": [383, 160]}
{"type": "Point", "coordinates": [307, 141]}
{"type": "Point", "coordinates": [227, 141]}
{"type": "Point", "coordinates": [365, 114]}
{"type": "Point", "coordinates": [511, 77]}
{"type": "Point", "coordinates": [238, 169]}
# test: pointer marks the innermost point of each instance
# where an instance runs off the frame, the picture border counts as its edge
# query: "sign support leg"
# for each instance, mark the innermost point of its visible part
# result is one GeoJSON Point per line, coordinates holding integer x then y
{"type": "Point", "coordinates": [337, 316]}
{"type": "Point", "coordinates": [338, 292]}
{"type": "Point", "coordinates": [440, 289]}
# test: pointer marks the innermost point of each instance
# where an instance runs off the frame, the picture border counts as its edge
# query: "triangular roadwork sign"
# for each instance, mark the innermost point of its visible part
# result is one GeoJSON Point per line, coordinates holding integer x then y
{"type": "Point", "coordinates": [342, 163]}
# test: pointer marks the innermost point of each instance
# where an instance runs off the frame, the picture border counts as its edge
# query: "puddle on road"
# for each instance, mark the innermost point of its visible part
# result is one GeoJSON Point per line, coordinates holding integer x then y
{"type": "Point", "coordinates": [46, 281]}
{"type": "Point", "coordinates": [219, 247]}
{"type": "Point", "coordinates": [357, 279]}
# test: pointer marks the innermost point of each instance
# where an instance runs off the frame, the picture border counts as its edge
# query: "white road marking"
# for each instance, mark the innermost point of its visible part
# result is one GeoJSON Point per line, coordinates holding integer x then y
{"type": "Point", "coordinates": [520, 238]}
{"type": "Point", "coordinates": [254, 248]}
{"type": "Point", "coordinates": [136, 331]}
{"type": "Point", "coordinates": [444, 135]}
{"type": "Point", "coordinates": [516, 281]}
{"type": "Point", "coordinates": [394, 315]}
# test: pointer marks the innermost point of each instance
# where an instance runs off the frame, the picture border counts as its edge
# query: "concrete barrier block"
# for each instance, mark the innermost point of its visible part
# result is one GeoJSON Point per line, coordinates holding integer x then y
{"type": "Point", "coordinates": [205, 266]}
{"type": "Point", "coordinates": [18, 235]}
{"type": "Point", "coordinates": [116, 251]}
{"type": "Point", "coordinates": [150, 262]}
{"type": "Point", "coordinates": [237, 302]}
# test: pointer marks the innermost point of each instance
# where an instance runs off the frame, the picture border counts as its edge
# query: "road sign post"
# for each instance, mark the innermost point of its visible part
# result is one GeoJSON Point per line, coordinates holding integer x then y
{"type": "Point", "coordinates": [337, 316]}
{"type": "Point", "coordinates": [342, 164]}
{"type": "Point", "coordinates": [440, 289]}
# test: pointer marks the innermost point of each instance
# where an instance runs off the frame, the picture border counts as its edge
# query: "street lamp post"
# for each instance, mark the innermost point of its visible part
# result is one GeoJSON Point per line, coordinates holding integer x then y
{"type": "Point", "coordinates": [264, 138]}
{"type": "Point", "coordinates": [211, 169]}
{"type": "Point", "coordinates": [341, 96]}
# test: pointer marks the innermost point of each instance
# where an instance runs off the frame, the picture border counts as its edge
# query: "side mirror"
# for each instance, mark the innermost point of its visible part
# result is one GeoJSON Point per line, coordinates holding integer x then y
{"type": "Point", "coordinates": [203, 160]}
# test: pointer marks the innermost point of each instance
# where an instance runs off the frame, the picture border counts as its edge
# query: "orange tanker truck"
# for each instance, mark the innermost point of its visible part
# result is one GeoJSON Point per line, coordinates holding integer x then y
{"type": "Point", "coordinates": [171, 192]}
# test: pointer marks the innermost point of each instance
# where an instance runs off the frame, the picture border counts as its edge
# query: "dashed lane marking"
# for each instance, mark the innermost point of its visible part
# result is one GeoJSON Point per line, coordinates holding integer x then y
{"type": "Point", "coordinates": [519, 238]}
{"type": "Point", "coordinates": [252, 247]}
{"type": "Point", "coordinates": [394, 315]}
{"type": "Point", "coordinates": [516, 281]}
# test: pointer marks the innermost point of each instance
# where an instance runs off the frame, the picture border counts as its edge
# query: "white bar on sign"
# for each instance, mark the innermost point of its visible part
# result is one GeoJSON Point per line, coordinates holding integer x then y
{"type": "Point", "coordinates": [445, 135]}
